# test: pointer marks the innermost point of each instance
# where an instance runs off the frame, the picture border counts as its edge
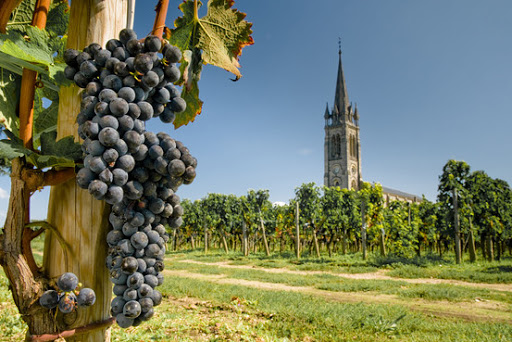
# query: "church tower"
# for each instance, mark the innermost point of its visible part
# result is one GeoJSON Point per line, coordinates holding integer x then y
{"type": "Point", "coordinates": [342, 148]}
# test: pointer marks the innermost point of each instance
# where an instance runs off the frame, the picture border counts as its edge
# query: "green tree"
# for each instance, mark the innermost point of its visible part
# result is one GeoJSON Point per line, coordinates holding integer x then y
{"type": "Point", "coordinates": [308, 197]}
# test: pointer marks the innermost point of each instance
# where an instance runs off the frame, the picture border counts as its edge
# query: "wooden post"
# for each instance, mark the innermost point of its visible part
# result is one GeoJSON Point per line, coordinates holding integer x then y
{"type": "Point", "coordinates": [363, 230]}
{"type": "Point", "coordinates": [245, 242]}
{"type": "Point", "coordinates": [297, 232]}
{"type": "Point", "coordinates": [81, 219]}
{"type": "Point", "coordinates": [267, 251]}
{"type": "Point", "coordinates": [456, 226]}
{"type": "Point", "coordinates": [472, 250]}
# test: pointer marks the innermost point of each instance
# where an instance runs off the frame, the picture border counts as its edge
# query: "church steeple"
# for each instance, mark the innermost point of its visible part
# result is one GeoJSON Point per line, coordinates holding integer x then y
{"type": "Point", "coordinates": [341, 96]}
{"type": "Point", "coordinates": [342, 144]}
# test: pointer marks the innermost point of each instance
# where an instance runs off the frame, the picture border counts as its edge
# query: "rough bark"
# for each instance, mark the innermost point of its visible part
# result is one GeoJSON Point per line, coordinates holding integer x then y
{"type": "Point", "coordinates": [26, 286]}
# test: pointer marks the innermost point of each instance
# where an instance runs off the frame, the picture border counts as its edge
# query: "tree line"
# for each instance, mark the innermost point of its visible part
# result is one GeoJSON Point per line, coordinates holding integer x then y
{"type": "Point", "coordinates": [473, 211]}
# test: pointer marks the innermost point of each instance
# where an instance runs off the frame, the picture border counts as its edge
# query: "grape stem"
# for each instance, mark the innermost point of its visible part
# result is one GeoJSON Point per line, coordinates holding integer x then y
{"type": "Point", "coordinates": [161, 14]}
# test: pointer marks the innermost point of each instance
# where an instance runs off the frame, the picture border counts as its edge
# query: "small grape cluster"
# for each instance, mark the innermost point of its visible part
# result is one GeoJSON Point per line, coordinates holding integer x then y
{"type": "Point", "coordinates": [134, 170]}
{"type": "Point", "coordinates": [68, 298]}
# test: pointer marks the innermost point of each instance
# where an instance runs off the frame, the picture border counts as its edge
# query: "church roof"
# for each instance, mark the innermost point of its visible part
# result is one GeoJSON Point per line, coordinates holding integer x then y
{"type": "Point", "coordinates": [341, 96]}
{"type": "Point", "coordinates": [386, 190]}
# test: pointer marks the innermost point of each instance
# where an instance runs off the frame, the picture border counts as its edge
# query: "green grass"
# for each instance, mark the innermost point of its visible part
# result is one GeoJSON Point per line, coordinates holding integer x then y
{"type": "Point", "coordinates": [427, 266]}
{"type": "Point", "coordinates": [335, 283]}
{"type": "Point", "coordinates": [300, 317]}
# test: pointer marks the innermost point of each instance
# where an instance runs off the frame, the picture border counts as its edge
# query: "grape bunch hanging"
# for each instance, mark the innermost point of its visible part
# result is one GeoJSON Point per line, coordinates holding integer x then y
{"type": "Point", "coordinates": [67, 298]}
{"type": "Point", "coordinates": [134, 170]}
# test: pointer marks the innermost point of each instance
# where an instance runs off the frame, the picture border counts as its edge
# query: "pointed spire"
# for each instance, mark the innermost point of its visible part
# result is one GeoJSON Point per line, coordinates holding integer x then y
{"type": "Point", "coordinates": [326, 115]}
{"type": "Point", "coordinates": [341, 96]}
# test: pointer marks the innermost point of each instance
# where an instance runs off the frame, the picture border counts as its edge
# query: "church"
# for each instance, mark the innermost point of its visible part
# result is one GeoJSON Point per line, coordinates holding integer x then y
{"type": "Point", "coordinates": [342, 145]}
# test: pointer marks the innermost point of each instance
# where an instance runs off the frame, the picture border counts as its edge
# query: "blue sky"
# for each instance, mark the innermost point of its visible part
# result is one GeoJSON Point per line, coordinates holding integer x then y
{"type": "Point", "coordinates": [432, 81]}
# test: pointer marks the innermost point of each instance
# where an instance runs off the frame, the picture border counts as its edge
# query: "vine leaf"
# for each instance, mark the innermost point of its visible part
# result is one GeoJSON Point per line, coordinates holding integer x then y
{"type": "Point", "coordinates": [62, 153]}
{"type": "Point", "coordinates": [10, 84]}
{"type": "Point", "coordinates": [217, 39]}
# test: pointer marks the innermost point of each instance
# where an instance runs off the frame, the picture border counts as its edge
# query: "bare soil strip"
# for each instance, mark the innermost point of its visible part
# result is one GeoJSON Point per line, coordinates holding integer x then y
{"type": "Point", "coordinates": [379, 275]}
{"type": "Point", "coordinates": [483, 311]}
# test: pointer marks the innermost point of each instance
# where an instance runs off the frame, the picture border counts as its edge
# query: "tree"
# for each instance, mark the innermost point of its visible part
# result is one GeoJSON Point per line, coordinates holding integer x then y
{"type": "Point", "coordinates": [451, 193]}
{"type": "Point", "coordinates": [308, 197]}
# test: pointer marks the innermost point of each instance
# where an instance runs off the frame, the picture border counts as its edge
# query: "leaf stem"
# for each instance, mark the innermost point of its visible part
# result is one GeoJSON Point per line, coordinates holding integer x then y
{"type": "Point", "coordinates": [5, 12]}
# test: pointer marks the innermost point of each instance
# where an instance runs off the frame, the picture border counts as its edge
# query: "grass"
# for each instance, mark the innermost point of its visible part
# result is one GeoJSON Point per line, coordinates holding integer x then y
{"type": "Point", "coordinates": [202, 310]}
{"type": "Point", "coordinates": [335, 283]}
{"type": "Point", "coordinates": [301, 317]}
{"type": "Point", "coordinates": [427, 266]}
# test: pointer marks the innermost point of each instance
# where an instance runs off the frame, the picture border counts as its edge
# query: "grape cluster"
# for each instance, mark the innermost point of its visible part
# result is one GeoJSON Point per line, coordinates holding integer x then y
{"type": "Point", "coordinates": [134, 170]}
{"type": "Point", "coordinates": [68, 298]}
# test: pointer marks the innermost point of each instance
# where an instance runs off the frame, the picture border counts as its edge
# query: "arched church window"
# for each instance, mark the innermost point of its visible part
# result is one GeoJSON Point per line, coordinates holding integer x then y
{"type": "Point", "coordinates": [338, 146]}
{"type": "Point", "coordinates": [332, 148]}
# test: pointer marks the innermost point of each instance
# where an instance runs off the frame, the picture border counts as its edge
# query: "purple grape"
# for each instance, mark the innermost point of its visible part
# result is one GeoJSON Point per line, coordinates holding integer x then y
{"type": "Point", "coordinates": [86, 297]}
{"type": "Point", "coordinates": [49, 299]}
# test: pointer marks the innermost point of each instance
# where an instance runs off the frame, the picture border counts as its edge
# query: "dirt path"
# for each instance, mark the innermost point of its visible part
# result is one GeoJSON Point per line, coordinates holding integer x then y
{"type": "Point", "coordinates": [379, 275]}
{"type": "Point", "coordinates": [485, 311]}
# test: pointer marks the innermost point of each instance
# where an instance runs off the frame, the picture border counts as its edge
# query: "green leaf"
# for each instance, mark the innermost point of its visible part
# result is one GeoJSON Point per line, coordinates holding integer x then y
{"type": "Point", "coordinates": [45, 119]}
{"type": "Point", "coordinates": [32, 47]}
{"type": "Point", "coordinates": [216, 39]}
{"type": "Point", "coordinates": [22, 15]}
{"type": "Point", "coordinates": [62, 153]}
{"type": "Point", "coordinates": [58, 19]}
{"type": "Point", "coordinates": [10, 84]}
{"type": "Point", "coordinates": [191, 71]}
{"type": "Point", "coordinates": [221, 34]}
{"type": "Point", "coordinates": [13, 147]}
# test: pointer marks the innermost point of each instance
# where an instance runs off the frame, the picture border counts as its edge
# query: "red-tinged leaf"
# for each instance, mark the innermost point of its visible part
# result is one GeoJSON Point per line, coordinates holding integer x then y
{"type": "Point", "coordinates": [216, 39]}
{"type": "Point", "coordinates": [194, 105]}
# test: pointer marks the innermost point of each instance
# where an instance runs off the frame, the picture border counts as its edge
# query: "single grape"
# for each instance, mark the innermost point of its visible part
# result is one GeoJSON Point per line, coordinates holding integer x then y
{"type": "Point", "coordinates": [178, 105]}
{"type": "Point", "coordinates": [113, 237]}
{"type": "Point", "coordinates": [81, 80]}
{"type": "Point", "coordinates": [119, 289]}
{"type": "Point", "coordinates": [69, 72]}
{"type": "Point", "coordinates": [139, 240]}
{"type": "Point", "coordinates": [152, 44]}
{"type": "Point", "coordinates": [152, 281]}
{"type": "Point", "coordinates": [101, 109]}
{"type": "Point", "coordinates": [121, 147]}
{"type": "Point", "coordinates": [98, 189]}
{"type": "Point", "coordinates": [67, 281]}
{"type": "Point", "coordinates": [70, 56]}
{"type": "Point", "coordinates": [150, 79]}
{"type": "Point", "coordinates": [102, 56]}
{"type": "Point", "coordinates": [120, 176]}
{"type": "Point", "coordinates": [130, 294]}
{"type": "Point", "coordinates": [128, 229]}
{"type": "Point", "coordinates": [126, 35]}
{"type": "Point", "coordinates": [84, 177]}
{"type": "Point", "coordinates": [113, 82]}
{"type": "Point", "coordinates": [49, 299]}
{"type": "Point", "coordinates": [114, 194]}
{"type": "Point", "coordinates": [82, 57]}
{"type": "Point", "coordinates": [86, 297]}
{"type": "Point", "coordinates": [125, 124]}
{"type": "Point", "coordinates": [127, 93]}
{"type": "Point", "coordinates": [176, 167]}
{"type": "Point", "coordinates": [120, 53]}
{"type": "Point", "coordinates": [172, 73]}
{"type": "Point", "coordinates": [107, 95]}
{"type": "Point", "coordinates": [134, 46]}
{"type": "Point", "coordinates": [135, 280]}
{"type": "Point", "coordinates": [172, 53]}
{"type": "Point", "coordinates": [67, 303]}
{"type": "Point", "coordinates": [106, 176]}
{"type": "Point", "coordinates": [117, 305]}
{"type": "Point", "coordinates": [108, 136]}
{"type": "Point", "coordinates": [133, 190]}
{"type": "Point", "coordinates": [89, 69]}
{"type": "Point", "coordinates": [143, 63]}
{"type": "Point", "coordinates": [129, 265]}
{"type": "Point", "coordinates": [118, 107]}
{"type": "Point", "coordinates": [126, 163]}
{"type": "Point", "coordinates": [123, 321]}
{"type": "Point", "coordinates": [167, 116]}
{"type": "Point", "coordinates": [112, 44]}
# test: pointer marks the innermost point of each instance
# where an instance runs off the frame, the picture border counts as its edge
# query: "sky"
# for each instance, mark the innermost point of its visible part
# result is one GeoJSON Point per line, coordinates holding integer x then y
{"type": "Point", "coordinates": [432, 81]}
